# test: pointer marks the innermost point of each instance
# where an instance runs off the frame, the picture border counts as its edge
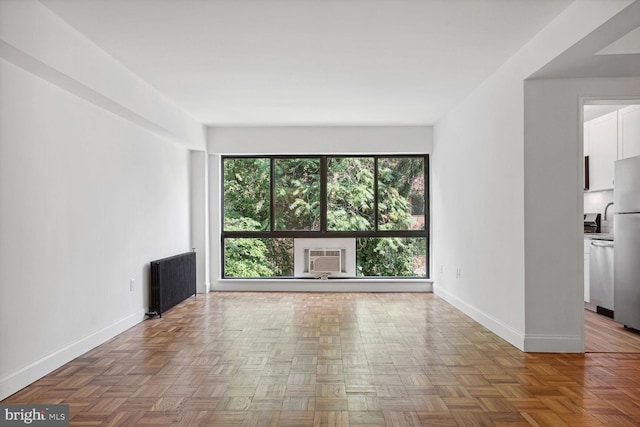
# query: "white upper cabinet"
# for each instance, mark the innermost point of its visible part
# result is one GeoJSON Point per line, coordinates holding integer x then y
{"type": "Point", "coordinates": [585, 138]}
{"type": "Point", "coordinates": [601, 142]}
{"type": "Point", "coordinates": [629, 131]}
{"type": "Point", "coordinates": [608, 138]}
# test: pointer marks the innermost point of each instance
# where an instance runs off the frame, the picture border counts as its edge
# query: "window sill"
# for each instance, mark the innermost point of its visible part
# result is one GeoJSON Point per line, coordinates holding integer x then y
{"type": "Point", "coordinates": [329, 285]}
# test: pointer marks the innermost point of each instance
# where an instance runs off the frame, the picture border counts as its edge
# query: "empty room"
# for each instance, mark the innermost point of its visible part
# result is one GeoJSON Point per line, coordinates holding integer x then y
{"type": "Point", "coordinates": [291, 213]}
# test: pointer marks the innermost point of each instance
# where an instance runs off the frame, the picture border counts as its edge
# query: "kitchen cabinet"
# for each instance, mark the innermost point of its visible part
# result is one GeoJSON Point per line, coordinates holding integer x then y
{"type": "Point", "coordinates": [586, 146]}
{"type": "Point", "coordinates": [601, 142]}
{"type": "Point", "coordinates": [629, 131]}
{"type": "Point", "coordinates": [586, 135]}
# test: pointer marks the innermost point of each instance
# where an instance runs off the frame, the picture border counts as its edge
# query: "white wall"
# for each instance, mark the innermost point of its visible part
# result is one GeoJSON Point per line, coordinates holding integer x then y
{"type": "Point", "coordinates": [554, 205]}
{"type": "Point", "coordinates": [479, 185]}
{"type": "Point", "coordinates": [200, 218]}
{"type": "Point", "coordinates": [305, 140]}
{"type": "Point", "coordinates": [35, 38]}
{"type": "Point", "coordinates": [477, 208]}
{"type": "Point", "coordinates": [321, 140]}
{"type": "Point", "coordinates": [215, 224]}
{"type": "Point", "coordinates": [89, 194]}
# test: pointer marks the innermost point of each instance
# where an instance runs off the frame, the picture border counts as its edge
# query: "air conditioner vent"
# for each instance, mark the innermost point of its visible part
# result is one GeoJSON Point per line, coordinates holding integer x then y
{"type": "Point", "coordinates": [325, 261]}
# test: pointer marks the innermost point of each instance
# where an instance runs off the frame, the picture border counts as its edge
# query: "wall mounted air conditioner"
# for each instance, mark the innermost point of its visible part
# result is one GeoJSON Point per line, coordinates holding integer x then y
{"type": "Point", "coordinates": [325, 261]}
{"type": "Point", "coordinates": [324, 251]}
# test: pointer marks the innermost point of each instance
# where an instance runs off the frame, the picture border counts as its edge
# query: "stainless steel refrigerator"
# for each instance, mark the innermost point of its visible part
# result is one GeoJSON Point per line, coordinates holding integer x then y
{"type": "Point", "coordinates": [626, 255]}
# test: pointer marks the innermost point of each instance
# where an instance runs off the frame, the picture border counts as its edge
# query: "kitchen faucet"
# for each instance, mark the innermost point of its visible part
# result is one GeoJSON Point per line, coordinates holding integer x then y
{"type": "Point", "coordinates": [605, 210]}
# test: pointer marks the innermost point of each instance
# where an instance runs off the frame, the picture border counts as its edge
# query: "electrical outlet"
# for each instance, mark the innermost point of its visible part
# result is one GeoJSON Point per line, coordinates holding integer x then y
{"type": "Point", "coordinates": [458, 273]}
{"type": "Point", "coordinates": [131, 285]}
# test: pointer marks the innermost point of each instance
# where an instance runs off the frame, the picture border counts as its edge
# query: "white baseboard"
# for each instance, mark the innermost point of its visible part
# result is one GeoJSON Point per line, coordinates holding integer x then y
{"type": "Point", "coordinates": [525, 342]}
{"type": "Point", "coordinates": [506, 332]}
{"type": "Point", "coordinates": [331, 285]}
{"type": "Point", "coordinates": [553, 344]}
{"type": "Point", "coordinates": [204, 288]}
{"type": "Point", "coordinates": [16, 381]}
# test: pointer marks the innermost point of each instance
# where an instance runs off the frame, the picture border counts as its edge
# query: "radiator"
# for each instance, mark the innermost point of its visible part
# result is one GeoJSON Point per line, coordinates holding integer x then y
{"type": "Point", "coordinates": [173, 280]}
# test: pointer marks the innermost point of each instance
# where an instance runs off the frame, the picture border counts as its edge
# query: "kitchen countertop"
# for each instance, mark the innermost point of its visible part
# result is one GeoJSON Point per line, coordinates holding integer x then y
{"type": "Point", "coordinates": [599, 236]}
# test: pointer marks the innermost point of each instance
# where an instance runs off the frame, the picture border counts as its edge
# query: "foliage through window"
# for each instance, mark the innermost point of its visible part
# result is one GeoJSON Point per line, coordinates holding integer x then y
{"type": "Point", "coordinates": [246, 194]}
{"type": "Point", "coordinates": [297, 192]}
{"type": "Point", "coordinates": [382, 201]}
{"type": "Point", "coordinates": [350, 194]}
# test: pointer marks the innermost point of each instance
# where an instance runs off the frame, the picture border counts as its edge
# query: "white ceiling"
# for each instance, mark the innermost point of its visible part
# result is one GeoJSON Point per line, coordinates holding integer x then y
{"type": "Point", "coordinates": [611, 50]}
{"type": "Point", "coordinates": [629, 44]}
{"type": "Point", "coordinates": [311, 62]}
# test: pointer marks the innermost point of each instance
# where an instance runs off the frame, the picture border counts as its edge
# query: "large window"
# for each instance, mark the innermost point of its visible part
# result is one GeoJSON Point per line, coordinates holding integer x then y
{"type": "Point", "coordinates": [382, 201]}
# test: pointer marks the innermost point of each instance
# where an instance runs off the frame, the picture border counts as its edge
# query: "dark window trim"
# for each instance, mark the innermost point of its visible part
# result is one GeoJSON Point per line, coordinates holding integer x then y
{"type": "Point", "coordinates": [376, 195]}
{"type": "Point", "coordinates": [272, 192]}
{"type": "Point", "coordinates": [323, 233]}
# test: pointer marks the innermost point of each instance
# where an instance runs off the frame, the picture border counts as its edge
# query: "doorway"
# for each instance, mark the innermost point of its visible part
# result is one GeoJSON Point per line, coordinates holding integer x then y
{"type": "Point", "coordinates": [611, 131]}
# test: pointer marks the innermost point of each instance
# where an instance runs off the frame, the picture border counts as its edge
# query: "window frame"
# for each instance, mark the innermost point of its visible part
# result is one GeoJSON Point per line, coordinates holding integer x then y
{"type": "Point", "coordinates": [324, 232]}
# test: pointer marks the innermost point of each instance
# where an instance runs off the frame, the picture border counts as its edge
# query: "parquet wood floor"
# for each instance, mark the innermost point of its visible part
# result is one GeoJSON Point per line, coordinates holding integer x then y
{"type": "Point", "coordinates": [314, 359]}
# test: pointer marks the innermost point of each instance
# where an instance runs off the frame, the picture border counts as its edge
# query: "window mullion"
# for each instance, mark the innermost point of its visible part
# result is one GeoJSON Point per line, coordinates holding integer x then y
{"type": "Point", "coordinates": [376, 218]}
{"type": "Point", "coordinates": [272, 192]}
{"type": "Point", "coordinates": [323, 193]}
{"type": "Point", "coordinates": [427, 211]}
